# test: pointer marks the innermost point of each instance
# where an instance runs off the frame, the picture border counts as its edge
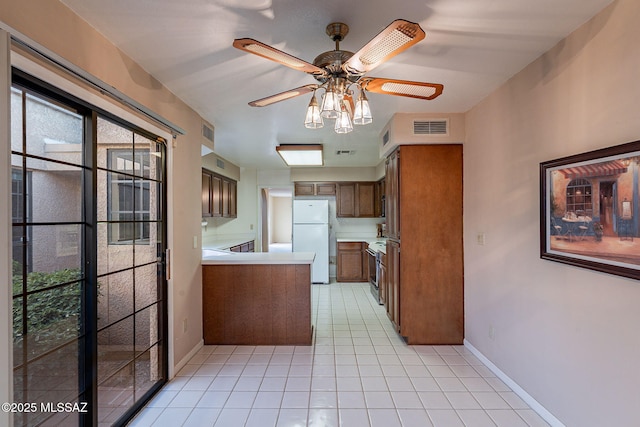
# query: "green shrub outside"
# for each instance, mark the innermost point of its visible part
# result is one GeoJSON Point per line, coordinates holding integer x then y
{"type": "Point", "coordinates": [53, 315]}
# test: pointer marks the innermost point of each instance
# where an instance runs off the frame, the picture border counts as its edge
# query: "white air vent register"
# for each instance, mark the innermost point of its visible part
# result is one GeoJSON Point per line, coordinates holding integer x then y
{"type": "Point", "coordinates": [421, 128]}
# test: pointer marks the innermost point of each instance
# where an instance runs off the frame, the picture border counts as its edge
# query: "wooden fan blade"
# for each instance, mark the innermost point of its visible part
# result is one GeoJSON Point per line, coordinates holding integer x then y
{"type": "Point", "coordinates": [396, 38]}
{"type": "Point", "coordinates": [407, 88]}
{"type": "Point", "coordinates": [257, 48]}
{"type": "Point", "coordinates": [283, 96]}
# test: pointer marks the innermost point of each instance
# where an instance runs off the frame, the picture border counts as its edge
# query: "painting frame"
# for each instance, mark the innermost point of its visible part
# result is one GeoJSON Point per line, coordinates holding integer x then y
{"type": "Point", "coordinates": [589, 210]}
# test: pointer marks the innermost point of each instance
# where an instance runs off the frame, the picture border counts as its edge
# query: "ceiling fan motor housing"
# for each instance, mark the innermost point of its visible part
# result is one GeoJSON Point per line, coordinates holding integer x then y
{"type": "Point", "coordinates": [337, 31]}
{"type": "Point", "coordinates": [332, 62]}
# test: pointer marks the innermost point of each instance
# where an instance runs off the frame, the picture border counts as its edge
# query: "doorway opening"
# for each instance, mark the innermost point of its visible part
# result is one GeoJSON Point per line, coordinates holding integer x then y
{"type": "Point", "coordinates": [276, 219]}
{"type": "Point", "coordinates": [607, 214]}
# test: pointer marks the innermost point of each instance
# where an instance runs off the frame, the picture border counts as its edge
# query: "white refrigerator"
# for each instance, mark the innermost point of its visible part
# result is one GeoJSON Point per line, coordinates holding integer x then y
{"type": "Point", "coordinates": [311, 234]}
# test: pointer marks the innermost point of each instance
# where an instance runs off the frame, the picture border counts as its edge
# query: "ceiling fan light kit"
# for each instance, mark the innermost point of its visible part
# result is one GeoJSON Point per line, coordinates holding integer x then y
{"type": "Point", "coordinates": [337, 71]}
{"type": "Point", "coordinates": [313, 120]}
{"type": "Point", "coordinates": [330, 103]}
{"type": "Point", "coordinates": [362, 112]}
{"type": "Point", "coordinates": [343, 123]}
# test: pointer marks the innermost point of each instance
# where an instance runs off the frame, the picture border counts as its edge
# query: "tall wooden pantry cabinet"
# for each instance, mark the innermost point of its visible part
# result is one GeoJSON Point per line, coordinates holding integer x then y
{"type": "Point", "coordinates": [424, 248]}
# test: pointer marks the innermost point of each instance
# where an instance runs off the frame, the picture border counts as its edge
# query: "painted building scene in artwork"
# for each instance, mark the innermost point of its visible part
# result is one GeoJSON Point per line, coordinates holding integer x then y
{"type": "Point", "coordinates": [593, 210]}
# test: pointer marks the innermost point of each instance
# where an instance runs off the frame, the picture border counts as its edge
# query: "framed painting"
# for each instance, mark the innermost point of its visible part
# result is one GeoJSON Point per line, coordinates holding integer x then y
{"type": "Point", "coordinates": [590, 205]}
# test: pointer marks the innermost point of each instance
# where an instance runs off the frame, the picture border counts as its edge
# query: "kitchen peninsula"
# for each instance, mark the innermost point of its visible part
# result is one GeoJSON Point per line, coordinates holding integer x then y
{"type": "Point", "coordinates": [257, 298]}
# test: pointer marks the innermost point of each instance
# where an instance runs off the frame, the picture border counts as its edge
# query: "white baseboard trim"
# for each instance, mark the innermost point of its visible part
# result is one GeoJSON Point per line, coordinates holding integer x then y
{"type": "Point", "coordinates": [541, 410]}
{"type": "Point", "coordinates": [188, 357]}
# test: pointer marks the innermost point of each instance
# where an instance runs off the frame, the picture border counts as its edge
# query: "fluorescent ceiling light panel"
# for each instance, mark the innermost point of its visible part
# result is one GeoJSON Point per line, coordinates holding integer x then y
{"type": "Point", "coordinates": [301, 154]}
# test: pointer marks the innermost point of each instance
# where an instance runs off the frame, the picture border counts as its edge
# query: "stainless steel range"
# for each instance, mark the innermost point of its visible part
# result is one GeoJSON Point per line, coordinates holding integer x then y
{"type": "Point", "coordinates": [375, 250]}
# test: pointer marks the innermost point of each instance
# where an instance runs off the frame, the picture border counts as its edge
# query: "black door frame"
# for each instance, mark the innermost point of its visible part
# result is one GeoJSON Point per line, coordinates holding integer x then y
{"type": "Point", "coordinates": [89, 349]}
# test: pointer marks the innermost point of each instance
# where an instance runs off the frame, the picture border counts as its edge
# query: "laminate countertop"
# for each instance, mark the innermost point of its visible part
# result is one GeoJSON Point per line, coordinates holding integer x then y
{"type": "Point", "coordinates": [366, 239]}
{"type": "Point", "coordinates": [218, 257]}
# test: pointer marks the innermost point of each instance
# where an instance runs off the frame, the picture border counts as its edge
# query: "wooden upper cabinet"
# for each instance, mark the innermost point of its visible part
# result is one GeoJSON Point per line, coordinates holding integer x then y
{"type": "Point", "coordinates": [366, 198]}
{"type": "Point", "coordinates": [392, 198]}
{"type": "Point", "coordinates": [315, 188]}
{"type": "Point", "coordinates": [353, 199]}
{"type": "Point", "coordinates": [225, 198]}
{"type": "Point", "coordinates": [216, 196]}
{"type": "Point", "coordinates": [325, 188]}
{"type": "Point", "coordinates": [356, 199]}
{"type": "Point", "coordinates": [379, 198]}
{"type": "Point", "coordinates": [219, 195]}
{"type": "Point", "coordinates": [304, 189]}
{"type": "Point", "coordinates": [206, 194]}
{"type": "Point", "coordinates": [232, 200]}
{"type": "Point", "coordinates": [346, 200]}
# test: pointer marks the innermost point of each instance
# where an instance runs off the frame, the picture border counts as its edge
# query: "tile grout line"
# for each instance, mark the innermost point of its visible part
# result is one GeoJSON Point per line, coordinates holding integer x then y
{"type": "Point", "coordinates": [347, 314]}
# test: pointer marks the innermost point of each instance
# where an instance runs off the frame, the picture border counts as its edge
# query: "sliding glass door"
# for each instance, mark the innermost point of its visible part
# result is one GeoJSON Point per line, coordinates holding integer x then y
{"type": "Point", "coordinates": [130, 249]}
{"type": "Point", "coordinates": [89, 306]}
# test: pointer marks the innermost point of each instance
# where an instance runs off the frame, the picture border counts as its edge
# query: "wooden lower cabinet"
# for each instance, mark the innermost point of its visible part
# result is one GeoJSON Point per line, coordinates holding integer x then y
{"type": "Point", "coordinates": [244, 247]}
{"type": "Point", "coordinates": [382, 280]}
{"type": "Point", "coordinates": [393, 283]}
{"type": "Point", "coordinates": [352, 263]}
{"type": "Point", "coordinates": [257, 304]}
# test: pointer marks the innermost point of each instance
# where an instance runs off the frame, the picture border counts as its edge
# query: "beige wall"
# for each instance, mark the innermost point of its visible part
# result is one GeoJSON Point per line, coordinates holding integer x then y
{"type": "Point", "coordinates": [334, 174]}
{"type": "Point", "coordinates": [400, 130]}
{"type": "Point", "coordinates": [567, 335]}
{"type": "Point", "coordinates": [80, 44]}
{"type": "Point", "coordinates": [281, 219]}
{"type": "Point", "coordinates": [210, 162]}
{"type": "Point", "coordinates": [380, 170]}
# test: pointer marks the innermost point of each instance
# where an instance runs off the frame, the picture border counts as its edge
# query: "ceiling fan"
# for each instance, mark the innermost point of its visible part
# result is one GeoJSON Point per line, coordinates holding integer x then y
{"type": "Point", "coordinates": [337, 71]}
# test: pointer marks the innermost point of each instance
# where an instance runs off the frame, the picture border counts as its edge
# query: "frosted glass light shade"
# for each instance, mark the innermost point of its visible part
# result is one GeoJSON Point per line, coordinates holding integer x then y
{"type": "Point", "coordinates": [313, 120]}
{"type": "Point", "coordinates": [343, 122]}
{"type": "Point", "coordinates": [362, 113]}
{"type": "Point", "coordinates": [330, 104]}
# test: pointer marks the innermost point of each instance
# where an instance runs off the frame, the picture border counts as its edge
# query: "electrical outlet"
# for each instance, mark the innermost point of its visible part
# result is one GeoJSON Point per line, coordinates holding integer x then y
{"type": "Point", "coordinates": [195, 242]}
{"type": "Point", "coordinates": [480, 238]}
{"type": "Point", "coordinates": [184, 325]}
{"type": "Point", "coordinates": [250, 226]}
{"type": "Point", "coordinates": [492, 333]}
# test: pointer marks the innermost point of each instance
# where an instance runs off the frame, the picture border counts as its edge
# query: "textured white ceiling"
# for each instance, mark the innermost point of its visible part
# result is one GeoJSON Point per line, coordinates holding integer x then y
{"type": "Point", "coordinates": [472, 47]}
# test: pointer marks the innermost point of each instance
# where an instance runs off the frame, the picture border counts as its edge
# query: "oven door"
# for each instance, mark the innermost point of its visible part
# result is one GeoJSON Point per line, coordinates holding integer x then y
{"type": "Point", "coordinates": [372, 267]}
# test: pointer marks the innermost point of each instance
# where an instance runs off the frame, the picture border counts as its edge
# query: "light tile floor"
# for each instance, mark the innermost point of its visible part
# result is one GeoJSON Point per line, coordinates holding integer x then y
{"type": "Point", "coordinates": [358, 373]}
